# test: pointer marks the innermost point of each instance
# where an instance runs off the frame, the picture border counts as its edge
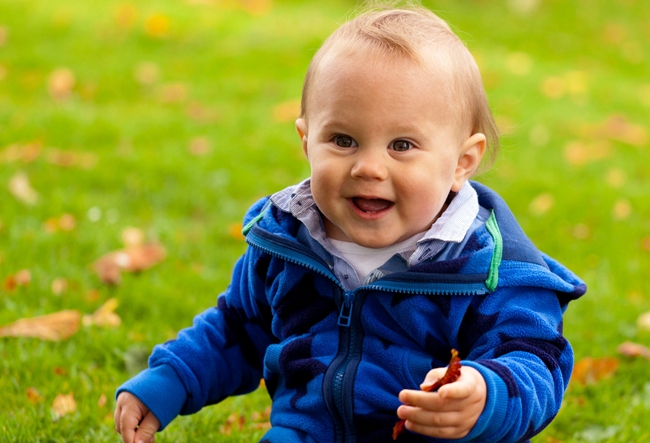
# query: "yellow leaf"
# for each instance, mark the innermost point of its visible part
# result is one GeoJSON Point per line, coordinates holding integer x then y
{"type": "Point", "coordinates": [643, 322]}
{"type": "Point", "coordinates": [132, 236]}
{"type": "Point", "coordinates": [287, 111]}
{"type": "Point", "coordinates": [235, 231]}
{"type": "Point", "coordinates": [541, 204]}
{"type": "Point", "coordinates": [592, 370]}
{"type": "Point", "coordinates": [104, 316]}
{"type": "Point", "coordinates": [125, 15]}
{"type": "Point", "coordinates": [256, 7]}
{"type": "Point", "coordinates": [60, 83]}
{"type": "Point", "coordinates": [519, 63]}
{"type": "Point", "coordinates": [20, 187]}
{"type": "Point", "coordinates": [57, 326]}
{"type": "Point", "coordinates": [63, 405]}
{"type": "Point", "coordinates": [157, 25]}
{"type": "Point", "coordinates": [622, 209]}
{"type": "Point", "coordinates": [59, 286]}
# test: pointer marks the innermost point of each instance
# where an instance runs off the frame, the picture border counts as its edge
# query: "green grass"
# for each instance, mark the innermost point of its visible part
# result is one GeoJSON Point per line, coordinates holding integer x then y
{"type": "Point", "coordinates": [234, 67]}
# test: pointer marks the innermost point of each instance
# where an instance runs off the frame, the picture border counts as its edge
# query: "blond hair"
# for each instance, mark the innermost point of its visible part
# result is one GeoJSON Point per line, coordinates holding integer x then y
{"type": "Point", "coordinates": [413, 31]}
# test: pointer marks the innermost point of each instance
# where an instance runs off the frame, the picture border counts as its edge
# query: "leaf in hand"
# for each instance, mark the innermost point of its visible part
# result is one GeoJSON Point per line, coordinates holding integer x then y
{"type": "Point", "coordinates": [452, 374]}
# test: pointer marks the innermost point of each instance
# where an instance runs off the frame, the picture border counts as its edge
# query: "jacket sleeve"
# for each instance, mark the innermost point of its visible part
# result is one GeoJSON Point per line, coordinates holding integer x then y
{"type": "Point", "coordinates": [513, 337]}
{"type": "Point", "coordinates": [220, 355]}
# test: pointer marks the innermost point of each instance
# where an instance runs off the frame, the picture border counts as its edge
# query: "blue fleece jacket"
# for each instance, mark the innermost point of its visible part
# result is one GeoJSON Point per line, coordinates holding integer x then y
{"type": "Point", "coordinates": [334, 361]}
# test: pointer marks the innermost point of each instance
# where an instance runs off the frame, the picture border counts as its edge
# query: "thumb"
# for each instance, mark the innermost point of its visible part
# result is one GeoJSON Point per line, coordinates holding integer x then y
{"type": "Point", "coordinates": [433, 376]}
{"type": "Point", "coordinates": [147, 429]}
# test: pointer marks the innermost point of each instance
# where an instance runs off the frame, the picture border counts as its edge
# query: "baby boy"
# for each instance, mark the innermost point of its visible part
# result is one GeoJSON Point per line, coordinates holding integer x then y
{"type": "Point", "coordinates": [359, 281]}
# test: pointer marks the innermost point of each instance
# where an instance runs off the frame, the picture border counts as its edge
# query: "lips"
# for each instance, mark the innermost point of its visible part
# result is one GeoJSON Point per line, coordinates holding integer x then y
{"type": "Point", "coordinates": [371, 205]}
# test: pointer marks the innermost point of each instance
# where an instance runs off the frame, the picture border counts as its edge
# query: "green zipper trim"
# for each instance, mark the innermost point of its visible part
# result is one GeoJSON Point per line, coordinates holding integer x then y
{"type": "Point", "coordinates": [493, 275]}
{"type": "Point", "coordinates": [257, 218]}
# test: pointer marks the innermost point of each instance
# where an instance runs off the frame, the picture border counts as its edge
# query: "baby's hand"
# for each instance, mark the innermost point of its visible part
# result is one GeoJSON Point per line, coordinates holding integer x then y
{"type": "Point", "coordinates": [134, 421]}
{"type": "Point", "coordinates": [449, 413]}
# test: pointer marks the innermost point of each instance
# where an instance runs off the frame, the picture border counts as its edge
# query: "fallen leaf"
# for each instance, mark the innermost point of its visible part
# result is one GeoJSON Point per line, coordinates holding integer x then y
{"type": "Point", "coordinates": [17, 152]}
{"type": "Point", "coordinates": [630, 349]}
{"type": "Point", "coordinates": [173, 92]}
{"type": "Point", "coordinates": [614, 33]}
{"type": "Point", "coordinates": [63, 405]}
{"type": "Point", "coordinates": [199, 146]}
{"type": "Point", "coordinates": [157, 25]}
{"type": "Point", "coordinates": [235, 231]}
{"type": "Point", "coordinates": [553, 87]}
{"type": "Point", "coordinates": [581, 231]}
{"type": "Point", "coordinates": [104, 316]}
{"type": "Point", "coordinates": [125, 15]}
{"type": "Point", "coordinates": [622, 209]}
{"type": "Point", "coordinates": [60, 83]}
{"type": "Point", "coordinates": [132, 236]}
{"type": "Point", "coordinates": [146, 73]}
{"type": "Point", "coordinates": [102, 401]}
{"type": "Point", "coordinates": [33, 395]}
{"type": "Point", "coordinates": [287, 111]}
{"type": "Point", "coordinates": [20, 278]}
{"type": "Point", "coordinates": [256, 7]}
{"type": "Point", "coordinates": [20, 187]}
{"type": "Point", "coordinates": [65, 222]}
{"type": "Point", "coordinates": [131, 259]}
{"type": "Point", "coordinates": [59, 286]}
{"type": "Point", "coordinates": [55, 327]}
{"type": "Point", "coordinates": [71, 159]}
{"type": "Point", "coordinates": [616, 178]}
{"type": "Point", "coordinates": [519, 63]}
{"type": "Point", "coordinates": [541, 204]}
{"type": "Point", "coordinates": [643, 322]}
{"type": "Point", "coordinates": [592, 370]}
{"type": "Point", "coordinates": [578, 153]}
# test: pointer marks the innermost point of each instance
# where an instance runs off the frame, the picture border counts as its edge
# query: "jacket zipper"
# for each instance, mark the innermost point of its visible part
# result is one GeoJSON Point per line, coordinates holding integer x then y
{"type": "Point", "coordinates": [340, 377]}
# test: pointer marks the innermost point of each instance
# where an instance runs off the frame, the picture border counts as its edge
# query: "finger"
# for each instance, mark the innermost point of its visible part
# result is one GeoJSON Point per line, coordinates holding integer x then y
{"type": "Point", "coordinates": [116, 417]}
{"type": "Point", "coordinates": [444, 432]}
{"type": "Point", "coordinates": [462, 388]}
{"type": "Point", "coordinates": [128, 424]}
{"type": "Point", "coordinates": [433, 376]}
{"type": "Point", "coordinates": [147, 430]}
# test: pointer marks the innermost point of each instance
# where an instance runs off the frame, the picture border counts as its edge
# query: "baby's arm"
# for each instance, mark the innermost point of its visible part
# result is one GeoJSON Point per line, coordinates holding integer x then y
{"type": "Point", "coordinates": [449, 413]}
{"type": "Point", "coordinates": [134, 421]}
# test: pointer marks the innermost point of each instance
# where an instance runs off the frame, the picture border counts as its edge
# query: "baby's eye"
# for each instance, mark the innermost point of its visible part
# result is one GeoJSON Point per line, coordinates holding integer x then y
{"type": "Point", "coordinates": [344, 141]}
{"type": "Point", "coordinates": [401, 145]}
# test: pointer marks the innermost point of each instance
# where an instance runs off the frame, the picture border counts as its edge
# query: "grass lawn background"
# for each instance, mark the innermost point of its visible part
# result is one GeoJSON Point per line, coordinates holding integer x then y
{"type": "Point", "coordinates": [177, 115]}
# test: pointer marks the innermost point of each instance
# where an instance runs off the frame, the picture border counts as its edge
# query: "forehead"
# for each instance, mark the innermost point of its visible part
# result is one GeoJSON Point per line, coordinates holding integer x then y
{"type": "Point", "coordinates": [390, 81]}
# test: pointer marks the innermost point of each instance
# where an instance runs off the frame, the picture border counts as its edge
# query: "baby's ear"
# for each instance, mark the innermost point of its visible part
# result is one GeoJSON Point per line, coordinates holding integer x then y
{"type": "Point", "coordinates": [470, 157]}
{"type": "Point", "coordinates": [301, 128]}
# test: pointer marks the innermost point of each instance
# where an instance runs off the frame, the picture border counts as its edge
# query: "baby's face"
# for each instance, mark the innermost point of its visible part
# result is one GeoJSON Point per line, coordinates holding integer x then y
{"type": "Point", "coordinates": [384, 148]}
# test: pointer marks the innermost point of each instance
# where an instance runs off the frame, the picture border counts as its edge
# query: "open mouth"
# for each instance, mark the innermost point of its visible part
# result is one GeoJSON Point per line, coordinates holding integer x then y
{"type": "Point", "coordinates": [371, 205]}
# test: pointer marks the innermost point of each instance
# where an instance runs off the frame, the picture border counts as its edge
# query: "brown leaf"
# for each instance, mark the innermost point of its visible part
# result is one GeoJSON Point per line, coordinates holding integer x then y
{"type": "Point", "coordinates": [20, 187]}
{"type": "Point", "coordinates": [102, 401]}
{"type": "Point", "coordinates": [60, 83]}
{"type": "Point", "coordinates": [125, 15]}
{"type": "Point", "coordinates": [622, 209]}
{"type": "Point", "coordinates": [57, 326]}
{"type": "Point", "coordinates": [592, 370]}
{"type": "Point", "coordinates": [25, 153]}
{"type": "Point", "coordinates": [134, 258]}
{"type": "Point", "coordinates": [132, 236]}
{"type": "Point", "coordinates": [618, 128]}
{"type": "Point", "coordinates": [256, 7]}
{"type": "Point", "coordinates": [33, 395]}
{"type": "Point", "coordinates": [173, 93]}
{"type": "Point", "coordinates": [630, 349]}
{"type": "Point", "coordinates": [21, 278]}
{"type": "Point", "coordinates": [63, 405]}
{"type": "Point", "coordinates": [104, 316]}
{"type": "Point", "coordinates": [578, 153]}
{"type": "Point", "coordinates": [65, 222]}
{"type": "Point", "coordinates": [71, 159]}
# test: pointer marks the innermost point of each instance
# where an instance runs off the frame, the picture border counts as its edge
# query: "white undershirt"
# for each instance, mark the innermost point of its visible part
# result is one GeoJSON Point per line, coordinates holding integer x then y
{"type": "Point", "coordinates": [365, 260]}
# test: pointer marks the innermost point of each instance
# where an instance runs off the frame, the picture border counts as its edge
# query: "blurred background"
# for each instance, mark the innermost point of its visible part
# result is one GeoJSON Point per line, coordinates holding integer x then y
{"type": "Point", "coordinates": [134, 136]}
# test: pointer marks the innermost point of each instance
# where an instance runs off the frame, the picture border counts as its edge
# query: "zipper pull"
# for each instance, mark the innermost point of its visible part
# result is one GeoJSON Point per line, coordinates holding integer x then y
{"type": "Point", "coordinates": [345, 316]}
